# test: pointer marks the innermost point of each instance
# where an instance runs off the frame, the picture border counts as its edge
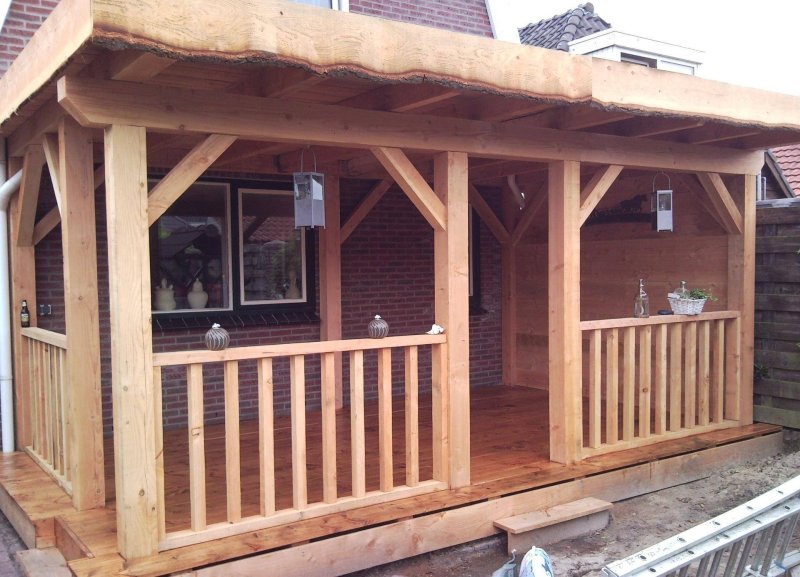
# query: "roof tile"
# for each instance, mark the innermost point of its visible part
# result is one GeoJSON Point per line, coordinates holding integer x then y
{"type": "Point", "coordinates": [558, 31]}
{"type": "Point", "coordinates": [788, 158]}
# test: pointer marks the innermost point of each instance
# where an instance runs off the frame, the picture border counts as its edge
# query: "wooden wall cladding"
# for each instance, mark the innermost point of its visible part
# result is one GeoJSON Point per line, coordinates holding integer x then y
{"type": "Point", "coordinates": [777, 334]}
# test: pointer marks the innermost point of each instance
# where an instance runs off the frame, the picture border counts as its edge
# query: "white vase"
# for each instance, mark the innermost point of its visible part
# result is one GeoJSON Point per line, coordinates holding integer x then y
{"type": "Point", "coordinates": [197, 297]}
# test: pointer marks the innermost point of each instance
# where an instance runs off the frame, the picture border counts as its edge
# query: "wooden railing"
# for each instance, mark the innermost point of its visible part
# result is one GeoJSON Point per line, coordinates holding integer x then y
{"type": "Point", "coordinates": [47, 352]}
{"type": "Point", "coordinates": [359, 493]}
{"type": "Point", "coordinates": [659, 378]}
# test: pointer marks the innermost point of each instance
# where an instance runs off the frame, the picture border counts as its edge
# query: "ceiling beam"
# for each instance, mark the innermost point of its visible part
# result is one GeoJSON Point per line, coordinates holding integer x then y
{"type": "Point", "coordinates": [648, 126]}
{"type": "Point", "coordinates": [34, 128]}
{"type": "Point", "coordinates": [101, 103]}
{"type": "Point", "coordinates": [136, 66]}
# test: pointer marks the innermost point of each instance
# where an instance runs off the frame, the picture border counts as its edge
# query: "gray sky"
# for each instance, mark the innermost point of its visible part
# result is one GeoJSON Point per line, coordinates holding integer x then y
{"type": "Point", "coordinates": [746, 42]}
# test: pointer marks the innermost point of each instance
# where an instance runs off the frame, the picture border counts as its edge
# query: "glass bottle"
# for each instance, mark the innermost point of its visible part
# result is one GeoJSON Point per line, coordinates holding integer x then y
{"type": "Point", "coordinates": [25, 315]}
{"type": "Point", "coordinates": [641, 306]}
{"type": "Point", "coordinates": [682, 291]}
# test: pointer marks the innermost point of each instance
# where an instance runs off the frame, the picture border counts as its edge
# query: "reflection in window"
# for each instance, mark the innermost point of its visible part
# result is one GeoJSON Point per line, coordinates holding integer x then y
{"type": "Point", "coordinates": [272, 251]}
{"type": "Point", "coordinates": [189, 251]}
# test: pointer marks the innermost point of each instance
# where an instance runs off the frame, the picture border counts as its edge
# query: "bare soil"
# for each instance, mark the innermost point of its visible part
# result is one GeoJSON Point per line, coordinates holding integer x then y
{"type": "Point", "coordinates": [635, 524]}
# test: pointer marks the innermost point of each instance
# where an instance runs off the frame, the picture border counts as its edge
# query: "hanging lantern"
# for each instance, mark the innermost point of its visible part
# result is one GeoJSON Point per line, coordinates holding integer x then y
{"type": "Point", "coordinates": [661, 205]}
{"type": "Point", "coordinates": [309, 196]}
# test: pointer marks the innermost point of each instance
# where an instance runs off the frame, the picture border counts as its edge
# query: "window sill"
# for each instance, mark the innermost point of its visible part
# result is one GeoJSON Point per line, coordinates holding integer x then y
{"type": "Point", "coordinates": [231, 319]}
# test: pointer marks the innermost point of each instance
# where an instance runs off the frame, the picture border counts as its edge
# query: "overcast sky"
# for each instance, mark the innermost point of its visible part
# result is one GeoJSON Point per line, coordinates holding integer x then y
{"type": "Point", "coordinates": [752, 43]}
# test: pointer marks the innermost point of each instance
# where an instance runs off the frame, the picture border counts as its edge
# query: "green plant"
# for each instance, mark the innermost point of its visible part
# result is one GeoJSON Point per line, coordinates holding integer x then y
{"type": "Point", "coordinates": [760, 372]}
{"type": "Point", "coordinates": [699, 293]}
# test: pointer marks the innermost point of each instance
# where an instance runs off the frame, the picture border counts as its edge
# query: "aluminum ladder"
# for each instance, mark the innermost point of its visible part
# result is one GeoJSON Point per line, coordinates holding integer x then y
{"type": "Point", "coordinates": [751, 540]}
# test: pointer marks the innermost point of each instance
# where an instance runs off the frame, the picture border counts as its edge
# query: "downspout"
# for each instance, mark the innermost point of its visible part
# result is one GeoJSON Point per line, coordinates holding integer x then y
{"type": "Point", "coordinates": [7, 189]}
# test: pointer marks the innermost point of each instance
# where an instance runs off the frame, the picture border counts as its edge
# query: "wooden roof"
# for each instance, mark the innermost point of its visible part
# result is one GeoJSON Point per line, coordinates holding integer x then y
{"type": "Point", "coordinates": [305, 56]}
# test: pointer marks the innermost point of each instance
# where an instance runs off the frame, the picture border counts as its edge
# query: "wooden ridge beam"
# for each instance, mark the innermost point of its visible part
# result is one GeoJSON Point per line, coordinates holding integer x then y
{"type": "Point", "coordinates": [364, 208]}
{"type": "Point", "coordinates": [413, 184]}
{"type": "Point", "coordinates": [488, 216]}
{"type": "Point", "coordinates": [32, 165]}
{"type": "Point", "coordinates": [50, 144]}
{"type": "Point", "coordinates": [187, 171]}
{"type": "Point", "coordinates": [101, 103]}
{"type": "Point", "coordinates": [596, 188]}
{"type": "Point", "coordinates": [723, 202]}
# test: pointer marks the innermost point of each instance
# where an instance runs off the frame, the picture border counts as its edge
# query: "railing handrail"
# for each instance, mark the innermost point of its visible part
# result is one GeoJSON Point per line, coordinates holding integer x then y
{"type": "Point", "coordinates": [42, 335]}
{"type": "Point", "coordinates": [657, 320]}
{"type": "Point", "coordinates": [291, 349]}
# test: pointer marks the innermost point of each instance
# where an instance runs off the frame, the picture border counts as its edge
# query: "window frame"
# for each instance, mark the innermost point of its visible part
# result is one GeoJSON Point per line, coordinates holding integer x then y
{"type": "Point", "coordinates": [236, 307]}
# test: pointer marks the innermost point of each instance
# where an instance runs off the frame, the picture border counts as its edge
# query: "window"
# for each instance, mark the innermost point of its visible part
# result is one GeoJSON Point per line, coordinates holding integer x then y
{"type": "Point", "coordinates": [342, 5]}
{"type": "Point", "coordinates": [272, 251]}
{"type": "Point", "coordinates": [202, 259]}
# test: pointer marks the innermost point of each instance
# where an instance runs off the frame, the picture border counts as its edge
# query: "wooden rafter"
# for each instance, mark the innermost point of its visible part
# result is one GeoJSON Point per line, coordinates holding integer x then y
{"type": "Point", "coordinates": [533, 205]}
{"type": "Point", "coordinates": [577, 117]}
{"type": "Point", "coordinates": [723, 202]}
{"type": "Point", "coordinates": [102, 102]}
{"type": "Point", "coordinates": [32, 165]}
{"type": "Point", "coordinates": [50, 144]}
{"type": "Point", "coordinates": [364, 207]}
{"type": "Point", "coordinates": [33, 129]}
{"type": "Point", "coordinates": [503, 168]}
{"type": "Point", "coordinates": [410, 180]}
{"type": "Point", "coordinates": [596, 188]}
{"type": "Point", "coordinates": [136, 66]}
{"type": "Point", "coordinates": [185, 173]}
{"type": "Point", "coordinates": [280, 82]}
{"type": "Point", "coordinates": [711, 133]}
{"type": "Point", "coordinates": [494, 110]}
{"type": "Point", "coordinates": [488, 216]}
{"type": "Point", "coordinates": [400, 98]}
{"type": "Point", "coordinates": [646, 127]}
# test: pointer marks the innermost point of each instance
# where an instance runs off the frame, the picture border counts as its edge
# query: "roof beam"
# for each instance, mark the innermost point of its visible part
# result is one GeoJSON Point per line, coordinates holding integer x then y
{"type": "Point", "coordinates": [723, 202]}
{"type": "Point", "coordinates": [101, 103]}
{"type": "Point", "coordinates": [401, 97]}
{"type": "Point", "coordinates": [364, 208]}
{"type": "Point", "coordinates": [647, 127]}
{"type": "Point", "coordinates": [413, 184]}
{"type": "Point", "coordinates": [32, 165]}
{"type": "Point", "coordinates": [185, 173]}
{"type": "Point", "coordinates": [136, 66]}
{"type": "Point", "coordinates": [596, 188]}
{"type": "Point", "coordinates": [711, 133]}
{"type": "Point", "coordinates": [34, 128]}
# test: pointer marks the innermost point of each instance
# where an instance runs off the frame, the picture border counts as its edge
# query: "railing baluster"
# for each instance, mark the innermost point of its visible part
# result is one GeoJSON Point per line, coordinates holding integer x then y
{"type": "Point", "coordinates": [47, 391]}
{"type": "Point", "coordinates": [690, 374]}
{"type": "Point", "coordinates": [595, 390]}
{"type": "Point", "coordinates": [441, 409]}
{"type": "Point", "coordinates": [645, 379]}
{"type": "Point", "coordinates": [385, 419]}
{"type": "Point", "coordinates": [159, 438]}
{"type": "Point", "coordinates": [703, 372]}
{"type": "Point", "coordinates": [328, 427]}
{"type": "Point", "coordinates": [718, 383]}
{"type": "Point", "coordinates": [412, 415]}
{"type": "Point", "coordinates": [197, 449]}
{"type": "Point", "coordinates": [660, 395]}
{"type": "Point", "coordinates": [298, 394]}
{"type": "Point", "coordinates": [628, 383]}
{"type": "Point", "coordinates": [266, 437]}
{"type": "Point", "coordinates": [612, 386]}
{"type": "Point", "coordinates": [233, 468]}
{"type": "Point", "coordinates": [675, 376]}
{"type": "Point", "coordinates": [733, 369]}
{"type": "Point", "coordinates": [357, 435]}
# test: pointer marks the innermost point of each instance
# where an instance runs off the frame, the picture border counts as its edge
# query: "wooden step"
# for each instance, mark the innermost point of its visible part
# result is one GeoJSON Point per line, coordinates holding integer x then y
{"type": "Point", "coordinates": [566, 521]}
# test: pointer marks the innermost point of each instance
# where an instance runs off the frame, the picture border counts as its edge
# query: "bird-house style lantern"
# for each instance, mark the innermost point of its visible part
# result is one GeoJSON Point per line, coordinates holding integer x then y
{"type": "Point", "coordinates": [661, 207]}
{"type": "Point", "coordinates": [309, 197]}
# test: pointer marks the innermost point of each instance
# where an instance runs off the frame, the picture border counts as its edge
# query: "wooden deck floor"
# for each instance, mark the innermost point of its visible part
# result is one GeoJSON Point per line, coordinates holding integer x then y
{"type": "Point", "coordinates": [509, 455]}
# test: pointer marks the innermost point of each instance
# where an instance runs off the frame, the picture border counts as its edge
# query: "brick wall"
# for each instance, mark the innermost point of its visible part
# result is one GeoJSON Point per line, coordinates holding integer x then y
{"type": "Point", "coordinates": [387, 269]}
{"type": "Point", "coordinates": [24, 18]}
{"type": "Point", "coordinates": [468, 16]}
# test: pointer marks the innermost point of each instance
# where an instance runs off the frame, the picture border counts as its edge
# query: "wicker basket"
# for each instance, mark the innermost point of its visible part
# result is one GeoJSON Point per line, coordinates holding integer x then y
{"type": "Point", "coordinates": [686, 306]}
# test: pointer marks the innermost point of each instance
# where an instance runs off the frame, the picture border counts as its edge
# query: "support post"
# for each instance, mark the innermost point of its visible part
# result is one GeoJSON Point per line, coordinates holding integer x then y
{"type": "Point", "coordinates": [330, 281]}
{"type": "Point", "coordinates": [741, 293]}
{"type": "Point", "coordinates": [451, 265]}
{"type": "Point", "coordinates": [23, 278]}
{"type": "Point", "coordinates": [564, 300]}
{"type": "Point", "coordinates": [508, 261]}
{"type": "Point", "coordinates": [131, 341]}
{"type": "Point", "coordinates": [83, 406]}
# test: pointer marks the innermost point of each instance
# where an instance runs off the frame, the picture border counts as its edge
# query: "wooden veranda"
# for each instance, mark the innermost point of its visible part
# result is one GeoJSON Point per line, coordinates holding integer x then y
{"type": "Point", "coordinates": [367, 431]}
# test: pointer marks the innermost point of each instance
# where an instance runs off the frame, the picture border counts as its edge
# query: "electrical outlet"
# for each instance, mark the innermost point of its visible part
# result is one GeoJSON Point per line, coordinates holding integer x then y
{"type": "Point", "coordinates": [45, 310]}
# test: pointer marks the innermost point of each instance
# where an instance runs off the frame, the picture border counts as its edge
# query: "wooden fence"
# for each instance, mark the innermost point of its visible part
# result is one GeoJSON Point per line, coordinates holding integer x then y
{"type": "Point", "coordinates": [358, 493]}
{"type": "Point", "coordinates": [659, 378]}
{"type": "Point", "coordinates": [47, 352]}
{"type": "Point", "coordinates": [777, 330]}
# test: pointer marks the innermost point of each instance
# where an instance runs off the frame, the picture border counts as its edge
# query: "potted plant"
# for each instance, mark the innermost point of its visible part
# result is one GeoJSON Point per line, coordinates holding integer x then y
{"type": "Point", "coordinates": [690, 302]}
